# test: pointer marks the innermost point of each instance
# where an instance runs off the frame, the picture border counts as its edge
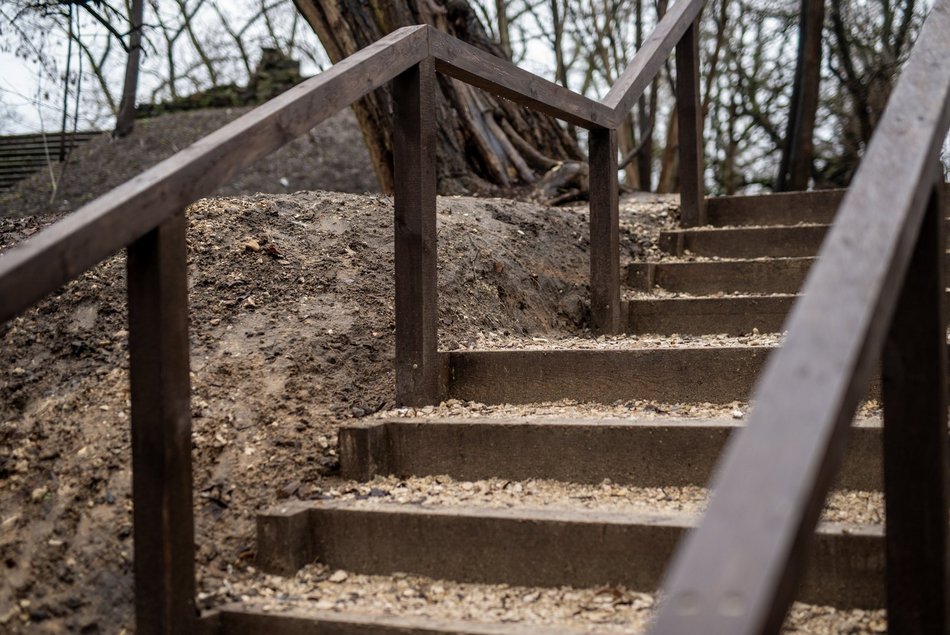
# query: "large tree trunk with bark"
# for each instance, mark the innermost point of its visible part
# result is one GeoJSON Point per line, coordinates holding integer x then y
{"type": "Point", "coordinates": [485, 144]}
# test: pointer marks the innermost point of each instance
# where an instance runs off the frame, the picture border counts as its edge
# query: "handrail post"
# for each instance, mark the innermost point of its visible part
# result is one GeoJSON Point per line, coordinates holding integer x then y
{"type": "Point", "coordinates": [163, 512]}
{"type": "Point", "coordinates": [417, 311]}
{"type": "Point", "coordinates": [914, 390]}
{"type": "Point", "coordinates": [689, 118]}
{"type": "Point", "coordinates": [604, 232]}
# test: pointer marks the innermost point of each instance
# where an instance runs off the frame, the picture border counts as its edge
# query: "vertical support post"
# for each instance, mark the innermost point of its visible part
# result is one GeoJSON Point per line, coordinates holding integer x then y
{"type": "Point", "coordinates": [163, 512]}
{"type": "Point", "coordinates": [604, 232]}
{"type": "Point", "coordinates": [417, 311]}
{"type": "Point", "coordinates": [915, 441]}
{"type": "Point", "coordinates": [690, 121]}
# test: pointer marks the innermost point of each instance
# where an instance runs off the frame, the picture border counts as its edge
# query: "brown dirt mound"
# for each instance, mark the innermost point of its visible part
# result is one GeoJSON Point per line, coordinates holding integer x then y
{"type": "Point", "coordinates": [292, 322]}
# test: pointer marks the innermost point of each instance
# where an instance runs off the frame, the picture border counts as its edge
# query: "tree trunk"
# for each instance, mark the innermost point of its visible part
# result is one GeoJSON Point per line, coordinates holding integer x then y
{"type": "Point", "coordinates": [669, 165]}
{"type": "Point", "coordinates": [479, 135]}
{"type": "Point", "coordinates": [125, 120]}
{"type": "Point", "coordinates": [628, 143]}
{"type": "Point", "coordinates": [798, 153]}
{"type": "Point", "coordinates": [504, 35]}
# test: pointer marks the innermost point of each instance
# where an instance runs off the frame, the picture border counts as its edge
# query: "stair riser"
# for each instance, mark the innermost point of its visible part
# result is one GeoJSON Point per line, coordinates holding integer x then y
{"type": "Point", "coordinates": [535, 548]}
{"type": "Point", "coordinates": [774, 209]}
{"type": "Point", "coordinates": [771, 242]}
{"type": "Point", "coordinates": [749, 242]}
{"type": "Point", "coordinates": [707, 278]}
{"type": "Point", "coordinates": [732, 316]}
{"type": "Point", "coordinates": [719, 375]}
{"type": "Point", "coordinates": [786, 208]}
{"type": "Point", "coordinates": [655, 455]}
{"type": "Point", "coordinates": [683, 375]}
{"type": "Point", "coordinates": [783, 275]}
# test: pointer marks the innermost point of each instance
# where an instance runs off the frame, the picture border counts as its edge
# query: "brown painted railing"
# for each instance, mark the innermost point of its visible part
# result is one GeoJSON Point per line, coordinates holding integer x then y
{"type": "Point", "coordinates": [146, 216]}
{"type": "Point", "coordinates": [875, 294]}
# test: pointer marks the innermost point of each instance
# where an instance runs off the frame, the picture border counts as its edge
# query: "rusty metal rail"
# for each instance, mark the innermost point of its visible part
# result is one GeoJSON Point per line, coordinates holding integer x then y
{"type": "Point", "coordinates": [874, 294]}
{"type": "Point", "coordinates": [146, 215]}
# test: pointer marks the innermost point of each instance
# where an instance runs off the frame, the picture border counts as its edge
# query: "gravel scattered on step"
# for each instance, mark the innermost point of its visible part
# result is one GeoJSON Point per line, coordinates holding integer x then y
{"type": "Point", "coordinates": [607, 609]}
{"type": "Point", "coordinates": [603, 609]}
{"type": "Point", "coordinates": [807, 619]}
{"type": "Point", "coordinates": [843, 506]}
{"type": "Point", "coordinates": [500, 341]}
{"type": "Point", "coordinates": [661, 293]}
{"type": "Point", "coordinates": [639, 409]}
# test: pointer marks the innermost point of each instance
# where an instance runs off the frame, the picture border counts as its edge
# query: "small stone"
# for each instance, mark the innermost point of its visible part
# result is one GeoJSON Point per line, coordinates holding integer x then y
{"type": "Point", "coordinates": [737, 414]}
{"type": "Point", "coordinates": [531, 597]}
{"type": "Point", "coordinates": [38, 494]}
{"type": "Point", "coordinates": [251, 245]}
{"type": "Point", "coordinates": [339, 576]}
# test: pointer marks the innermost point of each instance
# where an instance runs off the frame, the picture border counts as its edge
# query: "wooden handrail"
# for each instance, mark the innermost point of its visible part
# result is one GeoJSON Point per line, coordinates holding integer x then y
{"type": "Point", "coordinates": [146, 216]}
{"type": "Point", "coordinates": [738, 572]}
{"type": "Point", "coordinates": [46, 261]}
{"type": "Point", "coordinates": [483, 70]}
{"type": "Point", "coordinates": [650, 58]}
{"type": "Point", "coordinates": [43, 263]}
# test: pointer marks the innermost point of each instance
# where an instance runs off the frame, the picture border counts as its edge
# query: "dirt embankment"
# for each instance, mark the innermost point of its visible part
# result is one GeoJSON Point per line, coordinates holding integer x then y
{"type": "Point", "coordinates": [292, 333]}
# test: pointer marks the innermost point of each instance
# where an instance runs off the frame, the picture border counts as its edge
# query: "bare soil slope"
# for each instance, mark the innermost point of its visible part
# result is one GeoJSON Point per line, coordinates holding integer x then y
{"type": "Point", "coordinates": [292, 322]}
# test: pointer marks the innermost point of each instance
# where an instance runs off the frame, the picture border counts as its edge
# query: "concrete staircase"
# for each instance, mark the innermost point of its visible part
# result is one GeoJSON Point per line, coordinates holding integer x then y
{"type": "Point", "coordinates": [759, 247]}
{"type": "Point", "coordinates": [22, 155]}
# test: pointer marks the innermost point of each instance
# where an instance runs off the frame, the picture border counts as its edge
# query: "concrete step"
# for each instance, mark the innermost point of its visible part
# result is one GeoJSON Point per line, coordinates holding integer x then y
{"type": "Point", "coordinates": [775, 275]}
{"type": "Point", "coordinates": [787, 208]}
{"type": "Point", "coordinates": [698, 316]}
{"type": "Point", "coordinates": [536, 547]}
{"type": "Point", "coordinates": [685, 374]}
{"type": "Point", "coordinates": [649, 453]}
{"type": "Point", "coordinates": [730, 315]}
{"type": "Point", "coordinates": [671, 375]}
{"type": "Point", "coordinates": [783, 208]}
{"type": "Point", "coordinates": [745, 242]}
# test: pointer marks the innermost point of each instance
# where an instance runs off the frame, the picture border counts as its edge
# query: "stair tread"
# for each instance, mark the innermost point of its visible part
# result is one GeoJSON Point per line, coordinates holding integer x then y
{"type": "Point", "coordinates": [512, 611]}
{"type": "Point", "coordinates": [636, 453]}
{"type": "Point", "coordinates": [542, 499]}
{"type": "Point", "coordinates": [536, 546]}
